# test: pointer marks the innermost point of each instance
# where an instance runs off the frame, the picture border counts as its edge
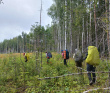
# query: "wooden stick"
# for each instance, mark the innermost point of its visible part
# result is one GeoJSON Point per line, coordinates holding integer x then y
{"type": "Point", "coordinates": [71, 75]}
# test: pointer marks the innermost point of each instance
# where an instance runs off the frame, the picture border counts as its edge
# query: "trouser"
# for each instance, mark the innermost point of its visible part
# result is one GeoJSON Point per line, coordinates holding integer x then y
{"type": "Point", "coordinates": [91, 69]}
{"type": "Point", "coordinates": [47, 60]}
{"type": "Point", "coordinates": [26, 59]}
{"type": "Point", "coordinates": [78, 64]}
{"type": "Point", "coordinates": [65, 63]}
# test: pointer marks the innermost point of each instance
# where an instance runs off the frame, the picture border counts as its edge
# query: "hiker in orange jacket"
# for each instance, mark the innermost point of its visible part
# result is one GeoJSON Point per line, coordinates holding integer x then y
{"type": "Point", "coordinates": [65, 57]}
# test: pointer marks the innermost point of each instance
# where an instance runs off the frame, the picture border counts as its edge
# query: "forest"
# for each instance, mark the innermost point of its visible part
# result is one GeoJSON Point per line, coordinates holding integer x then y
{"type": "Point", "coordinates": [75, 24]}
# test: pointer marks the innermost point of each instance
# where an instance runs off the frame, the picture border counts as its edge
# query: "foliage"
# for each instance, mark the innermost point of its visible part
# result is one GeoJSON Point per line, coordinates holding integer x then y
{"type": "Point", "coordinates": [19, 76]}
{"type": "Point", "coordinates": [75, 17]}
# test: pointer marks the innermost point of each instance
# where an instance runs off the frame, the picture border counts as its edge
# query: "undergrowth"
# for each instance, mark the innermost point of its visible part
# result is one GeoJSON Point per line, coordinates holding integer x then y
{"type": "Point", "coordinates": [18, 76]}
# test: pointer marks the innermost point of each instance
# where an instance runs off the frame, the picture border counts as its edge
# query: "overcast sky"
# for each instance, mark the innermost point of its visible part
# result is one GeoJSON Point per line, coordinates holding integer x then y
{"type": "Point", "coordinates": [17, 16]}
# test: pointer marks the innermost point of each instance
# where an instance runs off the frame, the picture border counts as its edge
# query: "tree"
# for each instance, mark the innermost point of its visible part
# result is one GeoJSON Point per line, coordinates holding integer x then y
{"type": "Point", "coordinates": [1, 2]}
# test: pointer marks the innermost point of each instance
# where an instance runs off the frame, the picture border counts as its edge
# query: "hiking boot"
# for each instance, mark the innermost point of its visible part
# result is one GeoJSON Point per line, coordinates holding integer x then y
{"type": "Point", "coordinates": [91, 82]}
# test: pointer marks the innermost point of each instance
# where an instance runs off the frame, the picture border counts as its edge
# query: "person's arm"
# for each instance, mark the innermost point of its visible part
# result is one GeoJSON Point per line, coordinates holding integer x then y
{"type": "Point", "coordinates": [85, 56]}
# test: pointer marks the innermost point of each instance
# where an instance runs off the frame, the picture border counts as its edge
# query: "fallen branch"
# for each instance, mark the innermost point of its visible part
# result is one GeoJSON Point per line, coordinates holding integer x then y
{"type": "Point", "coordinates": [71, 75]}
{"type": "Point", "coordinates": [95, 89]}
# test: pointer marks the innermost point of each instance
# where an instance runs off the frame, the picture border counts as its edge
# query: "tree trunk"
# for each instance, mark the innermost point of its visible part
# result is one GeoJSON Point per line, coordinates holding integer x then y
{"type": "Point", "coordinates": [103, 41]}
{"type": "Point", "coordinates": [65, 21]}
{"type": "Point", "coordinates": [78, 39]}
{"type": "Point", "coordinates": [109, 32]}
{"type": "Point", "coordinates": [95, 24]}
{"type": "Point", "coordinates": [90, 38]}
{"type": "Point", "coordinates": [83, 35]}
{"type": "Point", "coordinates": [71, 40]}
{"type": "Point", "coordinates": [87, 32]}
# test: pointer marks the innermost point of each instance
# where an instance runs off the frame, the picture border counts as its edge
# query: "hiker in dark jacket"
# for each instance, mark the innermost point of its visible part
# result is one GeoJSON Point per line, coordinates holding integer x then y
{"type": "Point", "coordinates": [78, 58]}
{"type": "Point", "coordinates": [90, 69]}
{"type": "Point", "coordinates": [48, 55]}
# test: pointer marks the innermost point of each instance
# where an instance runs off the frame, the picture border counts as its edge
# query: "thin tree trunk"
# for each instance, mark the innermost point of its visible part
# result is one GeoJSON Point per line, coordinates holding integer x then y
{"type": "Point", "coordinates": [95, 23]}
{"type": "Point", "coordinates": [63, 34]}
{"type": "Point", "coordinates": [109, 32]}
{"type": "Point", "coordinates": [87, 33]}
{"type": "Point", "coordinates": [90, 38]}
{"type": "Point", "coordinates": [106, 26]}
{"type": "Point", "coordinates": [103, 41]}
{"type": "Point", "coordinates": [109, 41]}
{"type": "Point", "coordinates": [108, 36]}
{"type": "Point", "coordinates": [60, 39]}
{"type": "Point", "coordinates": [83, 35]}
{"type": "Point", "coordinates": [71, 41]}
{"type": "Point", "coordinates": [65, 21]}
{"type": "Point", "coordinates": [78, 39]}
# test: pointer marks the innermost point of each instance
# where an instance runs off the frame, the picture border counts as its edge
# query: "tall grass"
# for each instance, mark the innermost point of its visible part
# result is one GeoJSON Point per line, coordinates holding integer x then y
{"type": "Point", "coordinates": [18, 76]}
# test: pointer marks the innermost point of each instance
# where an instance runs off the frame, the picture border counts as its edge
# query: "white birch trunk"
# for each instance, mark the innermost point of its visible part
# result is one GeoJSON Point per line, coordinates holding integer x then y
{"type": "Point", "coordinates": [82, 40]}
{"type": "Point", "coordinates": [78, 40]}
{"type": "Point", "coordinates": [87, 33]}
{"type": "Point", "coordinates": [83, 35]}
{"type": "Point", "coordinates": [65, 22]}
{"type": "Point", "coordinates": [71, 41]}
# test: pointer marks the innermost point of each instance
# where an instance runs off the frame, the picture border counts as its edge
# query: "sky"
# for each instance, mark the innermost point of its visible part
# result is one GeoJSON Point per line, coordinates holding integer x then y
{"type": "Point", "coordinates": [17, 16]}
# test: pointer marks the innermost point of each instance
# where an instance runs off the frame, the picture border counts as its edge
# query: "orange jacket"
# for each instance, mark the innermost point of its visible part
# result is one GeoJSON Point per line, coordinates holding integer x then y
{"type": "Point", "coordinates": [64, 54]}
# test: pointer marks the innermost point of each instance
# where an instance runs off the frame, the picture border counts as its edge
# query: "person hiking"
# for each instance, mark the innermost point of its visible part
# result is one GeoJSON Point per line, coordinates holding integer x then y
{"type": "Point", "coordinates": [92, 60]}
{"type": "Point", "coordinates": [78, 58]}
{"type": "Point", "coordinates": [62, 53]}
{"type": "Point", "coordinates": [48, 55]}
{"type": "Point", "coordinates": [26, 56]}
{"type": "Point", "coordinates": [66, 56]}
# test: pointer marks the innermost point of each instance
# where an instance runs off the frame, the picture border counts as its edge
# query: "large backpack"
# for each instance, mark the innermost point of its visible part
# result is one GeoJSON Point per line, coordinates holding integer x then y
{"type": "Point", "coordinates": [67, 54]}
{"type": "Point", "coordinates": [93, 56]}
{"type": "Point", "coordinates": [26, 57]}
{"type": "Point", "coordinates": [49, 55]}
{"type": "Point", "coordinates": [78, 56]}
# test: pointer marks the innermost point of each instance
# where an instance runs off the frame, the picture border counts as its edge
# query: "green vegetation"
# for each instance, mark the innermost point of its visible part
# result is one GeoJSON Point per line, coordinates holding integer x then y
{"type": "Point", "coordinates": [75, 24]}
{"type": "Point", "coordinates": [17, 76]}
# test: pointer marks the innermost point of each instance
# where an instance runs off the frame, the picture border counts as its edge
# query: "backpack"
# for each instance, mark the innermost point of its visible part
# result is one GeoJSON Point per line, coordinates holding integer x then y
{"type": "Point", "coordinates": [67, 54]}
{"type": "Point", "coordinates": [49, 55]}
{"type": "Point", "coordinates": [78, 56]}
{"type": "Point", "coordinates": [26, 57]}
{"type": "Point", "coordinates": [93, 56]}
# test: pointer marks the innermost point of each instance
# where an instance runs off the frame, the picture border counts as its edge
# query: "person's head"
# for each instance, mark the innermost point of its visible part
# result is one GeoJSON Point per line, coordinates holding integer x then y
{"type": "Point", "coordinates": [61, 50]}
{"type": "Point", "coordinates": [23, 53]}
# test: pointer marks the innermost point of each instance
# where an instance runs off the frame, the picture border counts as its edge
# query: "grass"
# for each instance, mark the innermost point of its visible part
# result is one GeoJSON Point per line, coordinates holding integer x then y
{"type": "Point", "coordinates": [18, 76]}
